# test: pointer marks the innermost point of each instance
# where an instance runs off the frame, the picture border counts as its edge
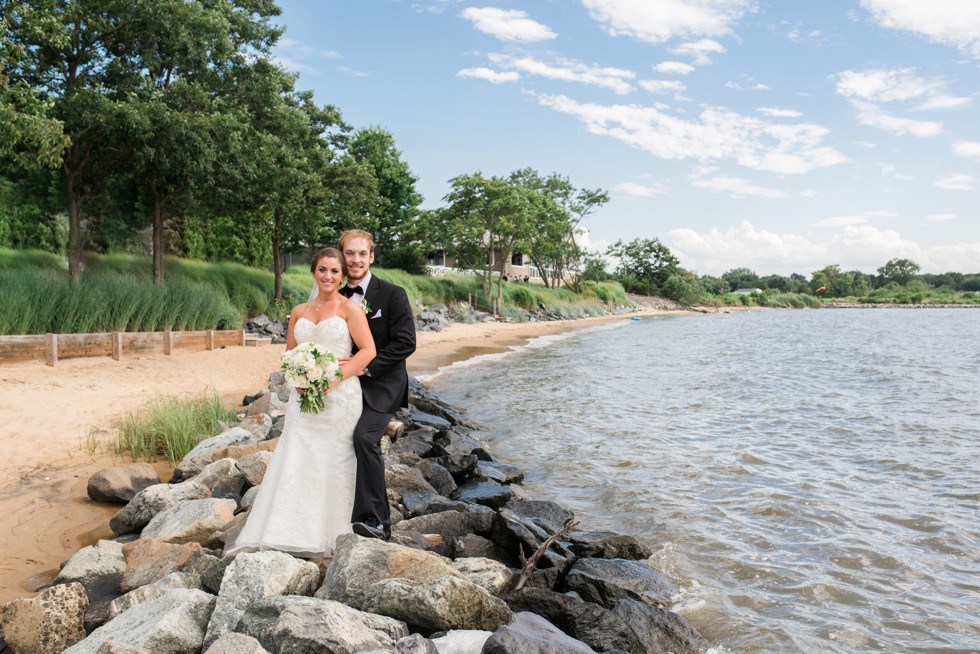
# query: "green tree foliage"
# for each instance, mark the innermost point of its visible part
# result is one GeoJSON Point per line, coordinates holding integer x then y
{"type": "Point", "coordinates": [683, 287]}
{"type": "Point", "coordinates": [398, 200]}
{"type": "Point", "coordinates": [838, 283]}
{"type": "Point", "coordinates": [899, 271]}
{"type": "Point", "coordinates": [741, 278]}
{"type": "Point", "coordinates": [645, 264]}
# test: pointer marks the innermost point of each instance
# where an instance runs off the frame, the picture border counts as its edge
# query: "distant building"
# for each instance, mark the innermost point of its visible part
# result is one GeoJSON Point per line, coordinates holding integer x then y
{"type": "Point", "coordinates": [747, 291]}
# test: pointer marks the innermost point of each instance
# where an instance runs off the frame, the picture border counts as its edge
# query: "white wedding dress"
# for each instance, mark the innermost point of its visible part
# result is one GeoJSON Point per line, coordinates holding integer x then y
{"type": "Point", "coordinates": [307, 495]}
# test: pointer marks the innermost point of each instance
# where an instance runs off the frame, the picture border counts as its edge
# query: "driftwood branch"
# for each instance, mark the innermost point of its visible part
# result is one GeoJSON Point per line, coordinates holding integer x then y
{"type": "Point", "coordinates": [530, 564]}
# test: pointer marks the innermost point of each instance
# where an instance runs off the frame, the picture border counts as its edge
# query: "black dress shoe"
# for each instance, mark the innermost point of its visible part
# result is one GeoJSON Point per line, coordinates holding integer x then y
{"type": "Point", "coordinates": [370, 531]}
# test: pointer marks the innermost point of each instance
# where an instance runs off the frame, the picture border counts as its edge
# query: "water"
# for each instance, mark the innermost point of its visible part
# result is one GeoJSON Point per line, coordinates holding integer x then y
{"type": "Point", "coordinates": [810, 478]}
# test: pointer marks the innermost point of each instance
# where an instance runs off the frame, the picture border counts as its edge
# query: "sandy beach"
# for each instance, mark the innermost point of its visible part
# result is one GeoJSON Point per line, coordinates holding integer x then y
{"type": "Point", "coordinates": [51, 415]}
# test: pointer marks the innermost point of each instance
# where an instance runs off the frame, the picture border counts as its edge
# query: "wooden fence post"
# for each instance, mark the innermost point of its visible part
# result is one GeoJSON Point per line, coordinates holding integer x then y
{"type": "Point", "coordinates": [209, 339]}
{"type": "Point", "coordinates": [117, 345]}
{"type": "Point", "coordinates": [168, 341]}
{"type": "Point", "coordinates": [241, 337]}
{"type": "Point", "coordinates": [51, 347]}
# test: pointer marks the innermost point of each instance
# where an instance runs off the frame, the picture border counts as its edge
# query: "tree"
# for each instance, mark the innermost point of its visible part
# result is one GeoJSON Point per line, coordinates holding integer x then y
{"type": "Point", "coordinates": [647, 260]}
{"type": "Point", "coordinates": [557, 211]}
{"type": "Point", "coordinates": [398, 199]}
{"type": "Point", "coordinates": [683, 287]}
{"type": "Point", "coordinates": [485, 220]}
{"type": "Point", "coordinates": [741, 278]}
{"type": "Point", "coordinates": [900, 271]}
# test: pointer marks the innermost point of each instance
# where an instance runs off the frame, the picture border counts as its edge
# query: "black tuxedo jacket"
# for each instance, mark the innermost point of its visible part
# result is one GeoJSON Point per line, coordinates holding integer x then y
{"type": "Point", "coordinates": [393, 329]}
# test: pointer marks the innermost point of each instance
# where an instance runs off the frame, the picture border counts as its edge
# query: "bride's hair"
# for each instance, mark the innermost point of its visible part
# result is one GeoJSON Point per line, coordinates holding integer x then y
{"type": "Point", "coordinates": [332, 253]}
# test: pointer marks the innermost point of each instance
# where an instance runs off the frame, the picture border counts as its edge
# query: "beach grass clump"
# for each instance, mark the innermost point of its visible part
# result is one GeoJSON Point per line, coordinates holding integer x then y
{"type": "Point", "coordinates": [170, 427]}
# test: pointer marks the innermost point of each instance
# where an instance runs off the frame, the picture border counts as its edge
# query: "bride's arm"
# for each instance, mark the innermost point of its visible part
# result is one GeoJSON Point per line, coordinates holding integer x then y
{"type": "Point", "coordinates": [361, 335]}
{"type": "Point", "coordinates": [294, 315]}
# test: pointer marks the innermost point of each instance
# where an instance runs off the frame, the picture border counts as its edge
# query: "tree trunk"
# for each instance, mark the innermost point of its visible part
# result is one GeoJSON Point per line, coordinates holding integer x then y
{"type": "Point", "coordinates": [276, 254]}
{"type": "Point", "coordinates": [159, 242]}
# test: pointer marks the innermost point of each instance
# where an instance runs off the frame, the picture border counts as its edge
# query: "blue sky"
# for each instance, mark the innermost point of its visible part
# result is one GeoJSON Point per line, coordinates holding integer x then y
{"type": "Point", "coordinates": [782, 136]}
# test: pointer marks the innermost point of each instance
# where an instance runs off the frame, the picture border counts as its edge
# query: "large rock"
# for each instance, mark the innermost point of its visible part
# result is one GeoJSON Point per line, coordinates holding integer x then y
{"type": "Point", "coordinates": [603, 581]}
{"type": "Point", "coordinates": [502, 473]}
{"type": "Point", "coordinates": [485, 492]}
{"type": "Point", "coordinates": [48, 623]}
{"type": "Point", "coordinates": [252, 576]}
{"type": "Point", "coordinates": [121, 483]}
{"type": "Point", "coordinates": [437, 476]}
{"type": "Point", "coordinates": [171, 624]}
{"type": "Point", "coordinates": [203, 453]}
{"type": "Point", "coordinates": [276, 620]}
{"type": "Point", "coordinates": [450, 525]}
{"type": "Point", "coordinates": [445, 603]}
{"type": "Point", "coordinates": [495, 577]}
{"type": "Point", "coordinates": [421, 588]}
{"type": "Point", "coordinates": [253, 467]}
{"type": "Point", "coordinates": [260, 423]}
{"type": "Point", "coordinates": [528, 633]}
{"type": "Point", "coordinates": [527, 524]}
{"type": "Point", "coordinates": [115, 647]}
{"type": "Point", "coordinates": [232, 643]}
{"type": "Point", "coordinates": [151, 501]}
{"type": "Point", "coordinates": [607, 545]}
{"type": "Point", "coordinates": [402, 479]}
{"type": "Point", "coordinates": [149, 560]}
{"type": "Point", "coordinates": [99, 568]}
{"type": "Point", "coordinates": [153, 591]}
{"type": "Point", "coordinates": [193, 521]}
{"type": "Point", "coordinates": [223, 479]}
{"type": "Point", "coordinates": [416, 644]}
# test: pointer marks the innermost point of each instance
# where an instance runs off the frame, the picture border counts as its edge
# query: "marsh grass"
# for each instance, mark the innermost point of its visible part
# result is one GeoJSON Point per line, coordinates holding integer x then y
{"type": "Point", "coordinates": [170, 427]}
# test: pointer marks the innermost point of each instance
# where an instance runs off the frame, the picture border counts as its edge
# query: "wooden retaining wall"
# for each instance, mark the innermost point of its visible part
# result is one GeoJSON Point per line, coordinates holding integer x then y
{"type": "Point", "coordinates": [50, 348]}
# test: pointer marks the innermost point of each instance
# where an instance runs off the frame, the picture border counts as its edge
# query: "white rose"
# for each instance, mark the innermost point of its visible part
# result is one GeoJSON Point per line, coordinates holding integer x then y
{"type": "Point", "coordinates": [313, 374]}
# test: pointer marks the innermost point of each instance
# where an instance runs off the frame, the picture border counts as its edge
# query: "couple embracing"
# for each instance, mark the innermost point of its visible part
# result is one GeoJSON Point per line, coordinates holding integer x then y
{"type": "Point", "coordinates": [326, 476]}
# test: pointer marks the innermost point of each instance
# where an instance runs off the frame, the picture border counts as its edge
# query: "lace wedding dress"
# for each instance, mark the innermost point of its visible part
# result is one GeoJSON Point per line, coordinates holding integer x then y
{"type": "Point", "coordinates": [307, 494]}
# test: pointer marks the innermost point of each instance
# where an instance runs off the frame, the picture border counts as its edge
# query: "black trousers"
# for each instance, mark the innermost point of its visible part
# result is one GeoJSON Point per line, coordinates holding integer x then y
{"type": "Point", "coordinates": [370, 495]}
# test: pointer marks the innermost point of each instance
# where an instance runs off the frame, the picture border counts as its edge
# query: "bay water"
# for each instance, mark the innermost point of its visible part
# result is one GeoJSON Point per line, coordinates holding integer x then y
{"type": "Point", "coordinates": [809, 478]}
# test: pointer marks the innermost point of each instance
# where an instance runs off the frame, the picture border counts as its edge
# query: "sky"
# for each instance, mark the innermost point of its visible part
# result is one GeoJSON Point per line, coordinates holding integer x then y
{"type": "Point", "coordinates": [781, 136]}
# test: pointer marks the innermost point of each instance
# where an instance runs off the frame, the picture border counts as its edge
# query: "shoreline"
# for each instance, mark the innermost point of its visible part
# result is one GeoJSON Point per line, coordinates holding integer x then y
{"type": "Point", "coordinates": [48, 462]}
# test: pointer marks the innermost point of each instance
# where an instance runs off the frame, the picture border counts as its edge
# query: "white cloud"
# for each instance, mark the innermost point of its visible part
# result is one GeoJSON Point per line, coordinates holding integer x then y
{"type": "Point", "coordinates": [305, 49]}
{"type": "Point", "coordinates": [656, 22]}
{"type": "Point", "coordinates": [944, 102]}
{"type": "Point", "coordinates": [635, 190]}
{"type": "Point", "coordinates": [490, 75]}
{"type": "Point", "coordinates": [940, 217]}
{"type": "Point", "coordinates": [856, 247]}
{"type": "Point", "coordinates": [735, 187]}
{"type": "Point", "coordinates": [841, 221]}
{"type": "Point", "coordinates": [699, 51]}
{"type": "Point", "coordinates": [776, 112]}
{"type": "Point", "coordinates": [968, 149]}
{"type": "Point", "coordinates": [884, 85]}
{"type": "Point", "coordinates": [674, 67]}
{"type": "Point", "coordinates": [717, 134]}
{"type": "Point", "coordinates": [507, 24]}
{"type": "Point", "coordinates": [663, 86]}
{"type": "Point", "coordinates": [956, 182]}
{"type": "Point", "coordinates": [890, 170]}
{"type": "Point", "coordinates": [294, 66]}
{"type": "Point", "coordinates": [738, 86]}
{"type": "Point", "coordinates": [872, 115]}
{"type": "Point", "coordinates": [950, 22]}
{"type": "Point", "coordinates": [614, 79]}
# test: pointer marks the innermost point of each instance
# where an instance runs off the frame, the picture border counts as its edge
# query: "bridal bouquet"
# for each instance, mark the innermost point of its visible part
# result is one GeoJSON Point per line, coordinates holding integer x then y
{"type": "Point", "coordinates": [310, 367]}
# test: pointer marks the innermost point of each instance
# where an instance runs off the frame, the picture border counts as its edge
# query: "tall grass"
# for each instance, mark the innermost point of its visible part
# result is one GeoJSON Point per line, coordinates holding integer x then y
{"type": "Point", "coordinates": [170, 427]}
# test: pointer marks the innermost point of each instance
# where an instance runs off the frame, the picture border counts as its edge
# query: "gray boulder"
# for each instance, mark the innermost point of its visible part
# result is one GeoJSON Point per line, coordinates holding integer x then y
{"type": "Point", "coordinates": [260, 423]}
{"type": "Point", "coordinates": [493, 576]}
{"type": "Point", "coordinates": [276, 620]}
{"type": "Point", "coordinates": [99, 568]}
{"type": "Point", "coordinates": [445, 603]}
{"type": "Point", "coordinates": [423, 503]}
{"type": "Point", "coordinates": [149, 560]}
{"type": "Point", "coordinates": [48, 623]}
{"type": "Point", "coordinates": [449, 525]}
{"type": "Point", "coordinates": [607, 545]}
{"type": "Point", "coordinates": [202, 453]}
{"type": "Point", "coordinates": [416, 644]}
{"type": "Point", "coordinates": [153, 591]}
{"type": "Point", "coordinates": [528, 633]}
{"type": "Point", "coordinates": [252, 576]}
{"type": "Point", "coordinates": [223, 478]}
{"type": "Point", "coordinates": [501, 473]}
{"type": "Point", "coordinates": [170, 624]}
{"type": "Point", "coordinates": [151, 501]}
{"type": "Point", "coordinates": [485, 492]}
{"type": "Point", "coordinates": [193, 521]}
{"type": "Point", "coordinates": [603, 581]}
{"type": "Point", "coordinates": [115, 647]}
{"type": "Point", "coordinates": [120, 484]}
{"type": "Point", "coordinates": [401, 479]}
{"type": "Point", "coordinates": [438, 476]}
{"type": "Point", "coordinates": [253, 467]}
{"type": "Point", "coordinates": [232, 643]}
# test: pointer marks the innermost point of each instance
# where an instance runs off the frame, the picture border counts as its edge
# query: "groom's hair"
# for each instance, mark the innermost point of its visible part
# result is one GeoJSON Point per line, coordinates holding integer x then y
{"type": "Point", "coordinates": [356, 233]}
{"type": "Point", "coordinates": [332, 253]}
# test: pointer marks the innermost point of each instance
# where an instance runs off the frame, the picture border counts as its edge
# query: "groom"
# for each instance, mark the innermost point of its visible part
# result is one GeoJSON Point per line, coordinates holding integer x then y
{"type": "Point", "coordinates": [384, 382]}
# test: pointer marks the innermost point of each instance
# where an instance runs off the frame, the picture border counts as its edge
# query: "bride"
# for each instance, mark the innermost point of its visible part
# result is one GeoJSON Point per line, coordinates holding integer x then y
{"type": "Point", "coordinates": [306, 497]}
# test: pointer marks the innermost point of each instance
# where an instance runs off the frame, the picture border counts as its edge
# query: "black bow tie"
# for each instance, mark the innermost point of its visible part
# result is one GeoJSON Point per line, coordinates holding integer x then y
{"type": "Point", "coordinates": [350, 290]}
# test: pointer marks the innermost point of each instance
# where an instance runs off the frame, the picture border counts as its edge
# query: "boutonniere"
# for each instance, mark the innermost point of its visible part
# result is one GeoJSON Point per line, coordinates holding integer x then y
{"type": "Point", "coordinates": [365, 307]}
